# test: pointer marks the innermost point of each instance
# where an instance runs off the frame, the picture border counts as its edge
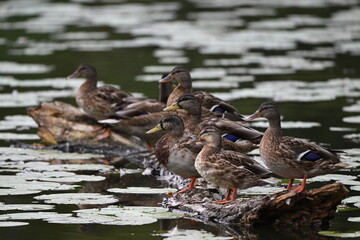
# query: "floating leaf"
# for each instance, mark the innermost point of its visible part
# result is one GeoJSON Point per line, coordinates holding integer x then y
{"type": "Point", "coordinates": [22, 68]}
{"type": "Point", "coordinates": [340, 234]}
{"type": "Point", "coordinates": [21, 154]}
{"type": "Point", "coordinates": [77, 198]}
{"type": "Point", "coordinates": [25, 207]}
{"type": "Point", "coordinates": [142, 190]}
{"type": "Point", "coordinates": [12, 224]}
{"type": "Point", "coordinates": [183, 234]}
{"type": "Point", "coordinates": [353, 199]}
{"type": "Point", "coordinates": [33, 215]}
{"type": "Point", "coordinates": [354, 219]}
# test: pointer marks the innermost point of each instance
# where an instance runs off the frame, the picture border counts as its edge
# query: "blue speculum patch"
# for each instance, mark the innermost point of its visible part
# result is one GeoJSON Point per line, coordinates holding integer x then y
{"type": "Point", "coordinates": [311, 156]}
{"type": "Point", "coordinates": [231, 137]}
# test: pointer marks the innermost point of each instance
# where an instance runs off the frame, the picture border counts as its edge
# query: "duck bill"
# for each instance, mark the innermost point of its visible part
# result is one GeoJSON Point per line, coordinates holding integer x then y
{"type": "Point", "coordinates": [72, 76]}
{"type": "Point", "coordinates": [168, 78]}
{"type": "Point", "coordinates": [174, 106]}
{"type": "Point", "coordinates": [253, 116]}
{"type": "Point", "coordinates": [157, 128]}
{"type": "Point", "coordinates": [194, 140]}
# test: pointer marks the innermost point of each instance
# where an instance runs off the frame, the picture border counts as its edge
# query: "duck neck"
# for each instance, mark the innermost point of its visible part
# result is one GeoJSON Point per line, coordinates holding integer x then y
{"type": "Point", "coordinates": [177, 132]}
{"type": "Point", "coordinates": [89, 85]}
{"type": "Point", "coordinates": [274, 128]}
{"type": "Point", "coordinates": [186, 85]}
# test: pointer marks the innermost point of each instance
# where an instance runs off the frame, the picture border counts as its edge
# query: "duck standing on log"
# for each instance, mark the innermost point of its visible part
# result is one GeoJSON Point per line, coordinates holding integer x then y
{"type": "Point", "coordinates": [291, 157]}
{"type": "Point", "coordinates": [172, 150]}
{"type": "Point", "coordinates": [227, 169]}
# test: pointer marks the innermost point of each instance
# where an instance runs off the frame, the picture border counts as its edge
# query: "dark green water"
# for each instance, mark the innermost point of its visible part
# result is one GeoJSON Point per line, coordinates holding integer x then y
{"type": "Point", "coordinates": [305, 55]}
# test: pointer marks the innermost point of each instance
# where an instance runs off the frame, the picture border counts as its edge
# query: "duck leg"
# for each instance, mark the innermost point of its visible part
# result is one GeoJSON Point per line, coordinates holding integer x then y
{"type": "Point", "coordinates": [289, 186]}
{"type": "Point", "coordinates": [300, 188]}
{"type": "Point", "coordinates": [106, 133]}
{"type": "Point", "coordinates": [227, 198]}
{"type": "Point", "coordinates": [191, 185]}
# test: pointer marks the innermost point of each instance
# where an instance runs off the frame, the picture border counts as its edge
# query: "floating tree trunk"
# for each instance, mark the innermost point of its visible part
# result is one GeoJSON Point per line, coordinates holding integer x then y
{"type": "Point", "coordinates": [311, 209]}
{"type": "Point", "coordinates": [61, 122]}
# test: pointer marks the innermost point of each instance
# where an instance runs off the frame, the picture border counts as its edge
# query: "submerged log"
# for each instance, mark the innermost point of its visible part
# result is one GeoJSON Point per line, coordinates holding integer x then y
{"type": "Point", "coordinates": [311, 209]}
{"type": "Point", "coordinates": [61, 122]}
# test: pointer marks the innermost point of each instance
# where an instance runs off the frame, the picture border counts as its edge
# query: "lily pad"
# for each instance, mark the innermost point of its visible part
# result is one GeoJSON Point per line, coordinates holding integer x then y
{"type": "Point", "coordinates": [344, 179]}
{"type": "Point", "coordinates": [77, 198]}
{"type": "Point", "coordinates": [17, 185]}
{"type": "Point", "coordinates": [183, 234]}
{"type": "Point", "coordinates": [114, 215]}
{"type": "Point", "coordinates": [142, 190]}
{"type": "Point", "coordinates": [22, 68]}
{"type": "Point", "coordinates": [354, 219]}
{"type": "Point", "coordinates": [21, 154]}
{"type": "Point", "coordinates": [60, 177]}
{"type": "Point", "coordinates": [260, 190]}
{"type": "Point", "coordinates": [32, 215]}
{"type": "Point", "coordinates": [353, 199]}
{"type": "Point", "coordinates": [12, 224]}
{"type": "Point", "coordinates": [352, 119]}
{"type": "Point", "coordinates": [25, 207]}
{"type": "Point", "coordinates": [340, 234]}
{"type": "Point", "coordinates": [8, 192]}
{"type": "Point", "coordinates": [18, 136]}
{"type": "Point", "coordinates": [69, 167]}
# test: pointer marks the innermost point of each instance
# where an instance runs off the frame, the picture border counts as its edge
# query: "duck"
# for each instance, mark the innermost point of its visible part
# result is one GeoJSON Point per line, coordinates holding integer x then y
{"type": "Point", "coordinates": [106, 103]}
{"type": "Point", "coordinates": [291, 157]}
{"type": "Point", "coordinates": [182, 76]}
{"type": "Point", "coordinates": [172, 150]}
{"type": "Point", "coordinates": [227, 169]}
{"type": "Point", "coordinates": [97, 102]}
{"type": "Point", "coordinates": [236, 136]}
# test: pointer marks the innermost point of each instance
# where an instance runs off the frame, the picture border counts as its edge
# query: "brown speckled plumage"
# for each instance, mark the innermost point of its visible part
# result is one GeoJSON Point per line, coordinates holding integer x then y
{"type": "Point", "coordinates": [197, 118]}
{"type": "Point", "coordinates": [95, 101]}
{"type": "Point", "coordinates": [219, 107]}
{"type": "Point", "coordinates": [291, 157]}
{"type": "Point", "coordinates": [172, 150]}
{"type": "Point", "coordinates": [226, 169]}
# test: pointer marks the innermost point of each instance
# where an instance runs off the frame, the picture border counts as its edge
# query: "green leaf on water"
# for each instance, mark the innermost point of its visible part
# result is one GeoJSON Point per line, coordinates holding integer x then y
{"type": "Point", "coordinates": [142, 190]}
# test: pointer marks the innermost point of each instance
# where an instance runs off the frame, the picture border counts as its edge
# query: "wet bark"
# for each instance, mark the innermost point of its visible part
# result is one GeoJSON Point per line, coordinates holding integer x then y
{"type": "Point", "coordinates": [311, 209]}
{"type": "Point", "coordinates": [61, 122]}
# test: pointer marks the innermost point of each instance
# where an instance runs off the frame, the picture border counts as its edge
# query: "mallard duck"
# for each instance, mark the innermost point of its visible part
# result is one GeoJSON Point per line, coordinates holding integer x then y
{"type": "Point", "coordinates": [172, 149]}
{"type": "Point", "coordinates": [107, 102]}
{"type": "Point", "coordinates": [197, 118]}
{"type": "Point", "coordinates": [182, 76]}
{"type": "Point", "coordinates": [224, 168]}
{"type": "Point", "coordinates": [96, 101]}
{"type": "Point", "coordinates": [291, 157]}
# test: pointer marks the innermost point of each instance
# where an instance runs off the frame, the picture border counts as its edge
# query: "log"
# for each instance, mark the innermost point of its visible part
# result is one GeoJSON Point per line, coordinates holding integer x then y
{"type": "Point", "coordinates": [66, 128]}
{"type": "Point", "coordinates": [311, 209]}
{"type": "Point", "coordinates": [61, 122]}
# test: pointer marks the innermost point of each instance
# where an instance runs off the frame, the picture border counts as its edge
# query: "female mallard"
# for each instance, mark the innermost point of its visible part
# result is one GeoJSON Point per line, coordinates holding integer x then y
{"type": "Point", "coordinates": [96, 101]}
{"type": "Point", "coordinates": [172, 149]}
{"type": "Point", "coordinates": [291, 157]}
{"type": "Point", "coordinates": [197, 118]}
{"type": "Point", "coordinates": [219, 107]}
{"type": "Point", "coordinates": [224, 168]}
{"type": "Point", "coordinates": [107, 101]}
